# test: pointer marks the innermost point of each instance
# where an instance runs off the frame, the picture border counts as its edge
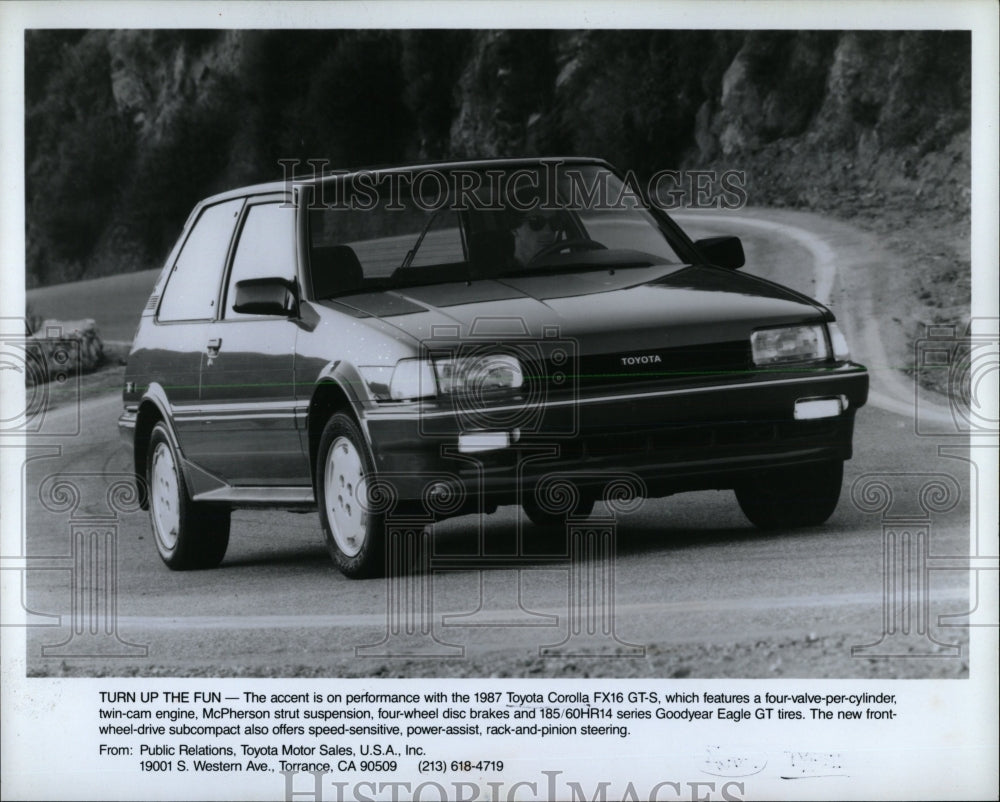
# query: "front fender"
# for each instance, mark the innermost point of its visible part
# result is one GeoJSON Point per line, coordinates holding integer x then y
{"type": "Point", "coordinates": [351, 383]}
{"type": "Point", "coordinates": [339, 386]}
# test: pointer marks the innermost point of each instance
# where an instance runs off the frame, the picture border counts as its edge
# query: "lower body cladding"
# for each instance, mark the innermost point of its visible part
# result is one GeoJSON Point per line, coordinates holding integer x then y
{"type": "Point", "coordinates": [660, 441]}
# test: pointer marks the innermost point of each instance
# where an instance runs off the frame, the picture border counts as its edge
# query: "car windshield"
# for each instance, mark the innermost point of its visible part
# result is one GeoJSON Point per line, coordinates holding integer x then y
{"type": "Point", "coordinates": [381, 230]}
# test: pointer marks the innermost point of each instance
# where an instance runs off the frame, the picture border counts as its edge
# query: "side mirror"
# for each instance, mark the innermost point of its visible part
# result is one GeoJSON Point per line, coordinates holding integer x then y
{"type": "Point", "coordinates": [265, 296]}
{"type": "Point", "coordinates": [722, 251]}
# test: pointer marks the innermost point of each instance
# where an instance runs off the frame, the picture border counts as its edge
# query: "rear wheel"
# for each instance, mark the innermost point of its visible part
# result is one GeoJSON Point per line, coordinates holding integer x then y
{"type": "Point", "coordinates": [354, 534]}
{"type": "Point", "coordinates": [805, 495]}
{"type": "Point", "coordinates": [188, 534]}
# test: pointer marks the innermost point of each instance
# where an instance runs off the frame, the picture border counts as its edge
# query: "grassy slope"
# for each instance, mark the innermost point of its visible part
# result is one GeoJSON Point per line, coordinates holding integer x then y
{"type": "Point", "coordinates": [114, 302]}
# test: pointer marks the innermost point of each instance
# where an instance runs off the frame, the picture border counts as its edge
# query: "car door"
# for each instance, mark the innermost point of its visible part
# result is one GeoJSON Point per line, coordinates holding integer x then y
{"type": "Point", "coordinates": [250, 416]}
{"type": "Point", "coordinates": [173, 345]}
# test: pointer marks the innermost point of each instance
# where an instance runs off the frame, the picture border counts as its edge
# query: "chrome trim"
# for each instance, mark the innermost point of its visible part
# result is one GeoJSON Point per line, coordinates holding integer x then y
{"type": "Point", "coordinates": [265, 410]}
{"type": "Point", "coordinates": [246, 407]}
{"type": "Point", "coordinates": [259, 495]}
{"type": "Point", "coordinates": [409, 413]}
{"type": "Point", "coordinates": [262, 416]}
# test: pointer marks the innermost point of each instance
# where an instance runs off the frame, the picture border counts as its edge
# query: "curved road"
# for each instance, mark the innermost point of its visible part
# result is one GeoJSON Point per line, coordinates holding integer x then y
{"type": "Point", "coordinates": [695, 590]}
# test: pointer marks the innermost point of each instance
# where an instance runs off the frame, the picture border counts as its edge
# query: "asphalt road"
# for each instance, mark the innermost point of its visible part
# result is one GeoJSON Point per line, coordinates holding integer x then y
{"type": "Point", "coordinates": [692, 589]}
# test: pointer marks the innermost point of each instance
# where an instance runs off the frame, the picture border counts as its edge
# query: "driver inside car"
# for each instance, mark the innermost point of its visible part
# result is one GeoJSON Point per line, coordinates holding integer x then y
{"type": "Point", "coordinates": [533, 232]}
{"type": "Point", "coordinates": [523, 235]}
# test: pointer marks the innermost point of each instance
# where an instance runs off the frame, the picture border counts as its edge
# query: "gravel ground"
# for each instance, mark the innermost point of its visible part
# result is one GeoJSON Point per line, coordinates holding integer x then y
{"type": "Point", "coordinates": [773, 659]}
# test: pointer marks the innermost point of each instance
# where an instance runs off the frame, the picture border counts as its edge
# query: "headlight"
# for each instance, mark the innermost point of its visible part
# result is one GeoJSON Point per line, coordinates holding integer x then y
{"type": "Point", "coordinates": [841, 351]}
{"type": "Point", "coordinates": [474, 375]}
{"type": "Point", "coordinates": [409, 379]}
{"type": "Point", "coordinates": [789, 344]}
{"type": "Point", "coordinates": [420, 378]}
{"type": "Point", "coordinates": [412, 378]}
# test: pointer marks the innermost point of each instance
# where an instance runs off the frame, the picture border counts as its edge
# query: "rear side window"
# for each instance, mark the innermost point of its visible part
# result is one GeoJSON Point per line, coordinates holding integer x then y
{"type": "Point", "coordinates": [266, 248]}
{"type": "Point", "coordinates": [193, 286]}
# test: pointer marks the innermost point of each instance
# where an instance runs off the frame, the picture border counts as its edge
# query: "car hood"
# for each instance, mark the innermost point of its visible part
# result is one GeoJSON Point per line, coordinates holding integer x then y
{"type": "Point", "coordinates": [606, 311]}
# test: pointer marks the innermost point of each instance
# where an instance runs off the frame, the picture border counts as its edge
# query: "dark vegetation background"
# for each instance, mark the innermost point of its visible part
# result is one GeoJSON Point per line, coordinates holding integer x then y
{"type": "Point", "coordinates": [126, 130]}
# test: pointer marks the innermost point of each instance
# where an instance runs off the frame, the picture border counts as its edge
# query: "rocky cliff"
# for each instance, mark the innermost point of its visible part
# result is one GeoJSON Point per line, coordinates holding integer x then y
{"type": "Point", "coordinates": [125, 130]}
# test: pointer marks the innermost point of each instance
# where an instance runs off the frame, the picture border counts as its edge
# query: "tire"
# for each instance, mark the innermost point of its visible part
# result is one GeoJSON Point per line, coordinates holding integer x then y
{"type": "Point", "coordinates": [355, 537]}
{"type": "Point", "coordinates": [189, 535]}
{"type": "Point", "coordinates": [805, 495]}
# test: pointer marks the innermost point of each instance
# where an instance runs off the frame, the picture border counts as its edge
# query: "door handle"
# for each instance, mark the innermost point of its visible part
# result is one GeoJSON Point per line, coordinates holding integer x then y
{"type": "Point", "coordinates": [213, 346]}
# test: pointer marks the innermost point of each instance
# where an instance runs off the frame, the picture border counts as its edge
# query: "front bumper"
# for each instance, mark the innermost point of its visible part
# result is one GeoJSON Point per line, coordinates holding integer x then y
{"type": "Point", "coordinates": [665, 439]}
{"type": "Point", "coordinates": [126, 426]}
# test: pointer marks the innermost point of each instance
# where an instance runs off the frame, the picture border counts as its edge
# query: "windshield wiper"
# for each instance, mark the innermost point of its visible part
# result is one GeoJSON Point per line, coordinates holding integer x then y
{"type": "Point", "coordinates": [411, 254]}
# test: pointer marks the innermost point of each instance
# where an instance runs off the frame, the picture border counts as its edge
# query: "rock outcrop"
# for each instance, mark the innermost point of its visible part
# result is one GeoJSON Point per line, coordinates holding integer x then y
{"type": "Point", "coordinates": [62, 348]}
{"type": "Point", "coordinates": [125, 130]}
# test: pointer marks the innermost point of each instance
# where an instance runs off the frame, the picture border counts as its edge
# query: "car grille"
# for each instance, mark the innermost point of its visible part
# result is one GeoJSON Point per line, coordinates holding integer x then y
{"type": "Point", "coordinates": [698, 364]}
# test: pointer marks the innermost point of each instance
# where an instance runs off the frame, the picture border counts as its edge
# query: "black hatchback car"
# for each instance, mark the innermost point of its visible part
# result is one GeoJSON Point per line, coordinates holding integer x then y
{"type": "Point", "coordinates": [441, 339]}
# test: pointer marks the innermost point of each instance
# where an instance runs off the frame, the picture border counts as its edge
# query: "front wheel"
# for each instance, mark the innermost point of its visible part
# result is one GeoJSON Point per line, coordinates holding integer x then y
{"type": "Point", "coordinates": [188, 534]}
{"type": "Point", "coordinates": [353, 532]}
{"type": "Point", "coordinates": [805, 495]}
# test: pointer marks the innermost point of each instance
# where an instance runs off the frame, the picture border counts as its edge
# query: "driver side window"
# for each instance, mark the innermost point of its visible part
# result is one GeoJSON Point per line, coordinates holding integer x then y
{"type": "Point", "coordinates": [193, 285]}
{"type": "Point", "coordinates": [266, 248]}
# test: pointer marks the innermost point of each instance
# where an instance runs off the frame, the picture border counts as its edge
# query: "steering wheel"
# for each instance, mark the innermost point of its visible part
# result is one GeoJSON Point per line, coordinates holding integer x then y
{"type": "Point", "coordinates": [577, 244]}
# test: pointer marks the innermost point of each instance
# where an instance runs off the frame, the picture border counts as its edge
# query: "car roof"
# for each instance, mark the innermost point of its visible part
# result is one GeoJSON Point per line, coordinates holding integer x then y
{"type": "Point", "coordinates": [282, 185]}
